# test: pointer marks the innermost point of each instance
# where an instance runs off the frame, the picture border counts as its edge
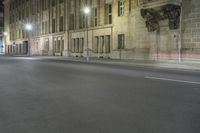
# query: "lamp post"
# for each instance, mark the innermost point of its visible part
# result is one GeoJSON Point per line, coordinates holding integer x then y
{"type": "Point", "coordinates": [86, 11]}
{"type": "Point", "coordinates": [5, 45]}
{"type": "Point", "coordinates": [29, 27]}
{"type": "Point", "coordinates": [181, 34]}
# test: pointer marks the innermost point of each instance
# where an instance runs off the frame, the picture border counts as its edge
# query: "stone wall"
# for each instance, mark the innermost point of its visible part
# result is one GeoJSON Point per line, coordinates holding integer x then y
{"type": "Point", "coordinates": [191, 28]}
{"type": "Point", "coordinates": [140, 43]}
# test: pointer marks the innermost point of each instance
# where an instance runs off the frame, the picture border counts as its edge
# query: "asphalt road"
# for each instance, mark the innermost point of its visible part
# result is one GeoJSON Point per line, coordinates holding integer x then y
{"type": "Point", "coordinates": [49, 96]}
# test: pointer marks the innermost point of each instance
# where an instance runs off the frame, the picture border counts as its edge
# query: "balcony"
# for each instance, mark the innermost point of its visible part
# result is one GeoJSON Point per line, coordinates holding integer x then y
{"type": "Point", "coordinates": [158, 3]}
{"type": "Point", "coordinates": [154, 11]}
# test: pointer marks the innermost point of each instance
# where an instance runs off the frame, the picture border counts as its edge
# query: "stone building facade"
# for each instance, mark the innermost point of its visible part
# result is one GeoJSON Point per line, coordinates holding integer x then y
{"type": "Point", "coordinates": [1, 29]}
{"type": "Point", "coordinates": [121, 29]}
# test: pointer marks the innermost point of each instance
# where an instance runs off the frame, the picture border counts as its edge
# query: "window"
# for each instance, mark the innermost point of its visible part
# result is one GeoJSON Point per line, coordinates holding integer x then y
{"type": "Point", "coordinates": [81, 42]}
{"type": "Point", "coordinates": [23, 33]}
{"type": "Point", "coordinates": [72, 25]}
{"type": "Point", "coordinates": [38, 6]}
{"type": "Point", "coordinates": [61, 23]}
{"type": "Point", "coordinates": [53, 25]}
{"type": "Point", "coordinates": [62, 44]}
{"type": "Point", "coordinates": [43, 27]}
{"type": "Point", "coordinates": [121, 41]}
{"type": "Point", "coordinates": [95, 16]}
{"type": "Point", "coordinates": [61, 1]}
{"type": "Point", "coordinates": [82, 20]}
{"type": "Point", "coordinates": [44, 4]}
{"type": "Point", "coordinates": [120, 7]}
{"type": "Point", "coordinates": [77, 46]}
{"type": "Point", "coordinates": [55, 44]}
{"type": "Point", "coordinates": [46, 27]}
{"type": "Point", "coordinates": [107, 44]}
{"type": "Point", "coordinates": [53, 2]}
{"type": "Point", "coordinates": [101, 47]}
{"type": "Point", "coordinates": [96, 45]}
{"type": "Point", "coordinates": [46, 45]}
{"type": "Point", "coordinates": [20, 15]}
{"type": "Point", "coordinates": [110, 14]}
{"type": "Point", "coordinates": [27, 12]}
{"type": "Point", "coordinates": [73, 45]}
{"type": "Point", "coordinates": [58, 45]}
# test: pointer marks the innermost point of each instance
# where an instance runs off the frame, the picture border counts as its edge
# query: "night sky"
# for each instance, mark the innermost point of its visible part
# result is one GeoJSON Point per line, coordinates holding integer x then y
{"type": "Point", "coordinates": [1, 1]}
{"type": "Point", "coordinates": [1, 5]}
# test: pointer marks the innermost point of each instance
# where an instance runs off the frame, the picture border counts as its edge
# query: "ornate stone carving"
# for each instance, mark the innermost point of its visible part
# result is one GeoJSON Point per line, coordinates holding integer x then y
{"type": "Point", "coordinates": [153, 15]}
{"type": "Point", "coordinates": [173, 13]}
{"type": "Point", "coordinates": [152, 23]}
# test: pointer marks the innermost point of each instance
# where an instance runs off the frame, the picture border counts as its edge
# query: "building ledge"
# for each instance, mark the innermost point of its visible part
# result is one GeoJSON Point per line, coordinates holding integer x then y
{"type": "Point", "coordinates": [92, 28]}
{"type": "Point", "coordinates": [158, 3]}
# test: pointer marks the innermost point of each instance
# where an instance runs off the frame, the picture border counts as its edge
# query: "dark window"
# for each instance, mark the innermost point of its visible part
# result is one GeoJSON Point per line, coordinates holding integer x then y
{"type": "Point", "coordinates": [53, 25]}
{"type": "Point", "coordinates": [61, 23]}
{"type": "Point", "coordinates": [72, 21]}
{"type": "Point", "coordinates": [53, 2]}
{"type": "Point", "coordinates": [109, 14]}
{"type": "Point", "coordinates": [120, 7]}
{"type": "Point", "coordinates": [61, 1]}
{"type": "Point", "coordinates": [121, 41]}
{"type": "Point", "coordinates": [95, 17]}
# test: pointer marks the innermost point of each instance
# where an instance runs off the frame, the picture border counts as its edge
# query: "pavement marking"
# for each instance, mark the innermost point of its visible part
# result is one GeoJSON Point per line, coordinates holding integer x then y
{"type": "Point", "coordinates": [173, 80]}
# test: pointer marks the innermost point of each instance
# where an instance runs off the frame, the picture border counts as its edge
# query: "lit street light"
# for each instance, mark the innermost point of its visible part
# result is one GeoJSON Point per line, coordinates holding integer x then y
{"type": "Point", "coordinates": [29, 27]}
{"type": "Point", "coordinates": [5, 35]}
{"type": "Point", "coordinates": [86, 11]}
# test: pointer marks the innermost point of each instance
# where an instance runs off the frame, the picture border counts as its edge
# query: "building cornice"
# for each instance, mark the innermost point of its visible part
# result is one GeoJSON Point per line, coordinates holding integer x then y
{"type": "Point", "coordinates": [92, 28]}
{"type": "Point", "coordinates": [6, 1]}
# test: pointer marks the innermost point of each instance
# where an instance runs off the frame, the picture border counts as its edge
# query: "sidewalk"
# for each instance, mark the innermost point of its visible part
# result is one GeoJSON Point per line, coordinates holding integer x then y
{"type": "Point", "coordinates": [194, 66]}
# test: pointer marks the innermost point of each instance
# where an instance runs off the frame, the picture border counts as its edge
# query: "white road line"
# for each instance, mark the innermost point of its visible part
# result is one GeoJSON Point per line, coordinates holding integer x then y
{"type": "Point", "coordinates": [173, 80]}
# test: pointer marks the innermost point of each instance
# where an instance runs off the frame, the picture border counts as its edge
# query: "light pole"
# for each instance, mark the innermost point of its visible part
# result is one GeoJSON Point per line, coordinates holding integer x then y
{"type": "Point", "coordinates": [29, 27]}
{"type": "Point", "coordinates": [86, 11]}
{"type": "Point", "coordinates": [5, 45]}
{"type": "Point", "coordinates": [181, 34]}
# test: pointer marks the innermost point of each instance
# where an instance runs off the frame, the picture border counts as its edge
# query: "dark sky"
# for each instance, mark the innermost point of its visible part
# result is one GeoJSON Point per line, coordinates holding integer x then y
{"type": "Point", "coordinates": [1, 5]}
{"type": "Point", "coordinates": [1, 2]}
{"type": "Point", "coordinates": [1, 10]}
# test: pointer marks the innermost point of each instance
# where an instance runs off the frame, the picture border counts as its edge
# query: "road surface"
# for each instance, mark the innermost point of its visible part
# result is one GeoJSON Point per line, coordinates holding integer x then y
{"type": "Point", "coordinates": [51, 96]}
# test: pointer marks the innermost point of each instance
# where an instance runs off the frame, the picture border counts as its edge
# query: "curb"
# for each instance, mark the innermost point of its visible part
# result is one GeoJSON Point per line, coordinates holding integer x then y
{"type": "Point", "coordinates": [159, 65]}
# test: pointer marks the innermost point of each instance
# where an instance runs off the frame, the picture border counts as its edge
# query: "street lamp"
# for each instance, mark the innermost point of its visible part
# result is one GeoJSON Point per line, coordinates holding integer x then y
{"type": "Point", "coordinates": [5, 45]}
{"type": "Point", "coordinates": [5, 33]}
{"type": "Point", "coordinates": [86, 11]}
{"type": "Point", "coordinates": [29, 27]}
